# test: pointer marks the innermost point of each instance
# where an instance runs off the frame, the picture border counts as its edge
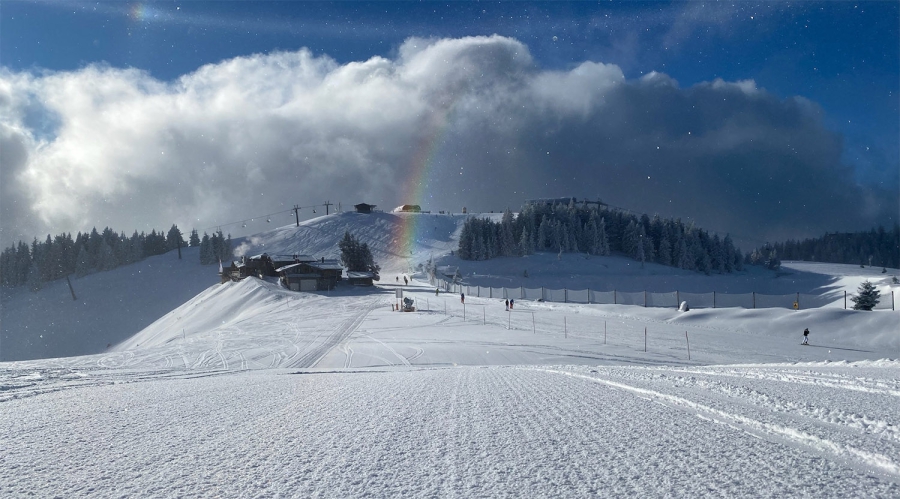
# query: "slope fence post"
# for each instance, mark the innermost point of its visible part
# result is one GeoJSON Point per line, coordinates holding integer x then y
{"type": "Point", "coordinates": [688, 344]}
{"type": "Point", "coordinates": [645, 339]}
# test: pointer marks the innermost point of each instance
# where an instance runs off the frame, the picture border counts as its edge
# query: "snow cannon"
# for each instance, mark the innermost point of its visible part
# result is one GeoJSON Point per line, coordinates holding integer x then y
{"type": "Point", "coordinates": [408, 305]}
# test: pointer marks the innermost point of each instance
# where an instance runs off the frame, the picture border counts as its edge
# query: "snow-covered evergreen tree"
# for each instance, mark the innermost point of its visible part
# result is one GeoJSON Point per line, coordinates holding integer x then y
{"type": "Point", "coordinates": [526, 243]}
{"type": "Point", "coordinates": [603, 239]}
{"type": "Point", "coordinates": [867, 296]}
{"type": "Point", "coordinates": [507, 239]}
{"type": "Point", "coordinates": [543, 234]}
{"type": "Point", "coordinates": [729, 253]}
{"type": "Point", "coordinates": [630, 239]}
{"type": "Point", "coordinates": [664, 255]}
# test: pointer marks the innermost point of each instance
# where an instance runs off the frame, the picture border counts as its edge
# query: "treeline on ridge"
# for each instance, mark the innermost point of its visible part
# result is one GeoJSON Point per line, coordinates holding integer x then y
{"type": "Point", "coordinates": [61, 256]}
{"type": "Point", "coordinates": [875, 247]}
{"type": "Point", "coordinates": [598, 230]}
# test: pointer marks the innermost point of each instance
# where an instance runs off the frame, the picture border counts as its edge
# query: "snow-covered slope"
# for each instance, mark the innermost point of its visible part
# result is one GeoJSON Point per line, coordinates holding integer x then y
{"type": "Point", "coordinates": [247, 389]}
{"type": "Point", "coordinates": [110, 306]}
{"type": "Point", "coordinates": [399, 241]}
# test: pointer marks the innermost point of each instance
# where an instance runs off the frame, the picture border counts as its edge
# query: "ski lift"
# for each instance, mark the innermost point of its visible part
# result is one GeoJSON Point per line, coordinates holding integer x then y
{"type": "Point", "coordinates": [314, 210]}
{"type": "Point", "coordinates": [268, 220]}
{"type": "Point", "coordinates": [244, 224]}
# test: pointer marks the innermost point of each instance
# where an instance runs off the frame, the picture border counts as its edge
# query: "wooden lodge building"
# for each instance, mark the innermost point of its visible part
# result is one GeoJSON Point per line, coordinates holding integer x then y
{"type": "Point", "coordinates": [295, 272]}
{"type": "Point", "coordinates": [309, 274]}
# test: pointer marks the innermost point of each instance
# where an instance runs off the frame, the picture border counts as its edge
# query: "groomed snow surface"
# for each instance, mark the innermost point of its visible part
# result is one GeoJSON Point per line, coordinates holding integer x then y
{"type": "Point", "coordinates": [250, 390]}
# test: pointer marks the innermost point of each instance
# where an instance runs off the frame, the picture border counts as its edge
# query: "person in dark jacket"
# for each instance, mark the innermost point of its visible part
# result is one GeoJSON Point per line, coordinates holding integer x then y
{"type": "Point", "coordinates": [805, 337]}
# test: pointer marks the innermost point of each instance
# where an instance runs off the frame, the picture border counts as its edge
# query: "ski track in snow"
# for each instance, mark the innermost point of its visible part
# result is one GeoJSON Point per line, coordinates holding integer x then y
{"type": "Point", "coordinates": [764, 416]}
{"type": "Point", "coordinates": [453, 432]}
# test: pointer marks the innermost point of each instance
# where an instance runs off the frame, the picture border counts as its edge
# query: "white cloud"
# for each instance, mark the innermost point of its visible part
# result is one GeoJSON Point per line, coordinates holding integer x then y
{"type": "Point", "coordinates": [107, 146]}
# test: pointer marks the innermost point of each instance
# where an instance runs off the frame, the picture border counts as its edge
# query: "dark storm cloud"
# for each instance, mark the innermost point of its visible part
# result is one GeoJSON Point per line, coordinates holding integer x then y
{"type": "Point", "coordinates": [257, 134]}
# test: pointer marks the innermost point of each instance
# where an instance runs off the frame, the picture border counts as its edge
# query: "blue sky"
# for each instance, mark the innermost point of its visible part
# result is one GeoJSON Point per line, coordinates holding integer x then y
{"type": "Point", "coordinates": [841, 56]}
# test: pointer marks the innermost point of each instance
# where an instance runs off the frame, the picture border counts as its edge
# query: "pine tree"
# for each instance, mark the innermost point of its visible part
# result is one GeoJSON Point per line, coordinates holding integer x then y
{"type": "Point", "coordinates": [526, 244]}
{"type": "Point", "coordinates": [84, 265]}
{"type": "Point", "coordinates": [174, 238]}
{"type": "Point", "coordinates": [194, 239]}
{"type": "Point", "coordinates": [7, 267]}
{"type": "Point", "coordinates": [356, 256]}
{"type": "Point", "coordinates": [507, 240]}
{"type": "Point", "coordinates": [206, 253]}
{"type": "Point", "coordinates": [603, 239]}
{"type": "Point", "coordinates": [34, 277]}
{"type": "Point", "coordinates": [630, 239]}
{"type": "Point", "coordinates": [867, 296]}
{"type": "Point", "coordinates": [543, 234]}
{"type": "Point", "coordinates": [106, 259]}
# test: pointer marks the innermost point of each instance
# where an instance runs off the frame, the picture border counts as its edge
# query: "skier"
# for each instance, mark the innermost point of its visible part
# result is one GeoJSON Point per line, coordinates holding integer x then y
{"type": "Point", "coordinates": [397, 279]}
{"type": "Point", "coordinates": [405, 281]}
{"type": "Point", "coordinates": [462, 298]}
{"type": "Point", "coordinates": [437, 291]}
{"type": "Point", "coordinates": [805, 337]}
{"type": "Point", "coordinates": [511, 303]}
{"type": "Point", "coordinates": [507, 305]}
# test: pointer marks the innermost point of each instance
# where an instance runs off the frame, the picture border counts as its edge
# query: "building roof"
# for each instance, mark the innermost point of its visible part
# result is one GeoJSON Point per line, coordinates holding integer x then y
{"type": "Point", "coordinates": [360, 275]}
{"type": "Point", "coordinates": [282, 269]}
{"type": "Point", "coordinates": [326, 265]}
{"type": "Point", "coordinates": [294, 258]}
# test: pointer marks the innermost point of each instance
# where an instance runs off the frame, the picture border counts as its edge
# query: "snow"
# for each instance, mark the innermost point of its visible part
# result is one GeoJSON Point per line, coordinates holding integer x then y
{"type": "Point", "coordinates": [248, 389]}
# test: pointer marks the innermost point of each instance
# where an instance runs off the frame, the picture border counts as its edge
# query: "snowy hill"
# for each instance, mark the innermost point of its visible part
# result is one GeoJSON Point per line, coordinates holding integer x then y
{"type": "Point", "coordinates": [113, 306]}
{"type": "Point", "coordinates": [248, 389]}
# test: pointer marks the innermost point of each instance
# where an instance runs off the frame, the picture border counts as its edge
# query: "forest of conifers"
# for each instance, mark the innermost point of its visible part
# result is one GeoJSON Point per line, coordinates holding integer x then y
{"type": "Point", "coordinates": [600, 230]}
{"type": "Point", "coordinates": [61, 256]}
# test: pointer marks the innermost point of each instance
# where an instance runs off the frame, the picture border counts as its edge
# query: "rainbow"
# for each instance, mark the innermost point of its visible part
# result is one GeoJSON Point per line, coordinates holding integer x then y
{"type": "Point", "coordinates": [414, 190]}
